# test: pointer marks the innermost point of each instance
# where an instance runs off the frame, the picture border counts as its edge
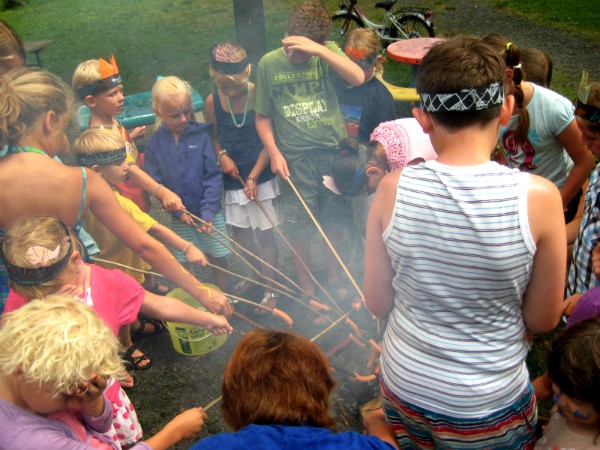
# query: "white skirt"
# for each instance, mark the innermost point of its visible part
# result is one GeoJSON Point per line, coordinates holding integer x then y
{"type": "Point", "coordinates": [242, 212]}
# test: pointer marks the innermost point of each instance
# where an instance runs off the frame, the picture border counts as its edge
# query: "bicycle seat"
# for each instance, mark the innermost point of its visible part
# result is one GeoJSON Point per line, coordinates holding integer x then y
{"type": "Point", "coordinates": [386, 5]}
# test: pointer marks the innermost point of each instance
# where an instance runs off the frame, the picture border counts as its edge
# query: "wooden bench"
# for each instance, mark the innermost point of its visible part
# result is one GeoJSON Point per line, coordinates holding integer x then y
{"type": "Point", "coordinates": [35, 48]}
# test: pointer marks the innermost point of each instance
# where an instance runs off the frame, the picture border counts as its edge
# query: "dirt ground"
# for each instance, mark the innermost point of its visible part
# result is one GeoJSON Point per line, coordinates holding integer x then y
{"type": "Point", "coordinates": [178, 382]}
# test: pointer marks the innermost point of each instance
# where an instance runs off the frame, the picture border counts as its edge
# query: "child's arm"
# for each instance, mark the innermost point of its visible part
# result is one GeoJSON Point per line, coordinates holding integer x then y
{"type": "Point", "coordinates": [543, 299]}
{"type": "Point", "coordinates": [103, 204]}
{"type": "Point", "coordinates": [376, 425]}
{"type": "Point", "coordinates": [251, 190]}
{"type": "Point", "coordinates": [264, 127]}
{"type": "Point", "coordinates": [169, 237]}
{"type": "Point", "coordinates": [573, 226]}
{"type": "Point", "coordinates": [225, 161]}
{"type": "Point", "coordinates": [345, 67]}
{"type": "Point", "coordinates": [212, 180]}
{"type": "Point", "coordinates": [583, 161]}
{"type": "Point", "coordinates": [173, 310]}
{"type": "Point", "coordinates": [184, 426]}
{"type": "Point", "coordinates": [170, 200]}
{"type": "Point", "coordinates": [379, 293]}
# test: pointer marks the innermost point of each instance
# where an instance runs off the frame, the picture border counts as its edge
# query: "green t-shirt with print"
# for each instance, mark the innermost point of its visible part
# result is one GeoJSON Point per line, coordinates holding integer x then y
{"type": "Point", "coordinates": [300, 99]}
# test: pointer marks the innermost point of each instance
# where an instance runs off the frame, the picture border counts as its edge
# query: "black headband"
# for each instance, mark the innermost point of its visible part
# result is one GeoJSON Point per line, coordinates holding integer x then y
{"type": "Point", "coordinates": [101, 158]}
{"type": "Point", "coordinates": [99, 86]}
{"type": "Point", "coordinates": [587, 112]}
{"type": "Point", "coordinates": [34, 276]}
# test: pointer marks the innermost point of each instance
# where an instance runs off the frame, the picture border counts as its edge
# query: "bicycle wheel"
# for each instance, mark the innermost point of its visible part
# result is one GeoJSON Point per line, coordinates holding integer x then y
{"type": "Point", "coordinates": [410, 27]}
{"type": "Point", "coordinates": [342, 25]}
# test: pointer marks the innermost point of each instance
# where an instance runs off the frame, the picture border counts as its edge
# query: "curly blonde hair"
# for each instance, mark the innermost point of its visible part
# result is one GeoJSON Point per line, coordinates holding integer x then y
{"type": "Point", "coordinates": [57, 342]}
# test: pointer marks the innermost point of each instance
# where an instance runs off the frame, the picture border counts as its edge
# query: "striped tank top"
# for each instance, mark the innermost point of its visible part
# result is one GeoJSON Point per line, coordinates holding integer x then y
{"type": "Point", "coordinates": [460, 244]}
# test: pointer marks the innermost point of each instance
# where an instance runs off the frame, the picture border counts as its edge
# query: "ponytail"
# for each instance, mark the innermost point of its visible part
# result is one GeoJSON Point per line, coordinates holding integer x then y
{"type": "Point", "coordinates": [512, 57]}
{"type": "Point", "coordinates": [10, 127]}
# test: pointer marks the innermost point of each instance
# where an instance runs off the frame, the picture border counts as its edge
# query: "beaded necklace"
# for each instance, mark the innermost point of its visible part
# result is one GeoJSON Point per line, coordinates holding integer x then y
{"type": "Point", "coordinates": [240, 125]}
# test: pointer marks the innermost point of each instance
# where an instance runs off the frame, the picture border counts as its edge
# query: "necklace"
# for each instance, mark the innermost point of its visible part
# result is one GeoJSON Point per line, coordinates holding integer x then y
{"type": "Point", "coordinates": [240, 125]}
{"type": "Point", "coordinates": [25, 149]}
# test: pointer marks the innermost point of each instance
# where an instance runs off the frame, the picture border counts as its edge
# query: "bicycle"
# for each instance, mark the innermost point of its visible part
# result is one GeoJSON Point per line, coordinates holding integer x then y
{"type": "Point", "coordinates": [402, 23]}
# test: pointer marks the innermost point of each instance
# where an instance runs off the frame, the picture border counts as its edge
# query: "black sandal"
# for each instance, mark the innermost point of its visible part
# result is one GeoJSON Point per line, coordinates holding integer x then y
{"type": "Point", "coordinates": [135, 361]}
{"type": "Point", "coordinates": [140, 332]}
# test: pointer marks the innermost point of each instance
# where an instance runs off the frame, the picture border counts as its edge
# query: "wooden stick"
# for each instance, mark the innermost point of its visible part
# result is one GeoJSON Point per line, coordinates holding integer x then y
{"type": "Point", "coordinates": [335, 253]}
{"type": "Point", "coordinates": [294, 252]}
{"type": "Point", "coordinates": [212, 403]}
{"type": "Point", "coordinates": [335, 323]}
{"type": "Point", "coordinates": [250, 321]}
{"type": "Point", "coordinates": [245, 250]}
{"type": "Point", "coordinates": [123, 266]}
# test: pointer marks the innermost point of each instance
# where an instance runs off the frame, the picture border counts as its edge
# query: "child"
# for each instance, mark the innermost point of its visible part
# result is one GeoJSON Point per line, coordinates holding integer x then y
{"type": "Point", "coordinates": [29, 99]}
{"type": "Point", "coordinates": [542, 136]}
{"type": "Point", "coordinates": [574, 366]}
{"type": "Point", "coordinates": [48, 369]}
{"type": "Point", "coordinates": [104, 152]}
{"type": "Point", "coordinates": [463, 256]}
{"type": "Point", "coordinates": [369, 104]}
{"type": "Point", "coordinates": [116, 296]}
{"type": "Point", "coordinates": [180, 155]}
{"type": "Point", "coordinates": [99, 86]}
{"type": "Point", "coordinates": [300, 124]}
{"type": "Point", "coordinates": [276, 390]}
{"type": "Point", "coordinates": [393, 145]}
{"type": "Point", "coordinates": [584, 273]}
{"type": "Point", "coordinates": [240, 153]}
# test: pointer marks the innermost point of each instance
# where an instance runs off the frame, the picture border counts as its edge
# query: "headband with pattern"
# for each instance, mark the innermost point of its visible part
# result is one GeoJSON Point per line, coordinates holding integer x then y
{"type": "Point", "coordinates": [221, 60]}
{"type": "Point", "coordinates": [34, 276]}
{"type": "Point", "coordinates": [101, 158]}
{"type": "Point", "coordinates": [472, 99]}
{"type": "Point", "coordinates": [109, 77]}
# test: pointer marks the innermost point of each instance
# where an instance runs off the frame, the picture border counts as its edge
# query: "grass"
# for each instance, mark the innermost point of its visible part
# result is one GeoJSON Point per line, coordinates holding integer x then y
{"type": "Point", "coordinates": [578, 16]}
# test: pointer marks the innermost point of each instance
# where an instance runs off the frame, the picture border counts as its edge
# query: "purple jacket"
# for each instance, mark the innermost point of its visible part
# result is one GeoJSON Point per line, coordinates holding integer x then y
{"type": "Point", "coordinates": [189, 168]}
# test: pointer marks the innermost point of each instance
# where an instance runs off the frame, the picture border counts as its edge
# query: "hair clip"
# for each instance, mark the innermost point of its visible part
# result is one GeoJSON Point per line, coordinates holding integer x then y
{"type": "Point", "coordinates": [508, 45]}
{"type": "Point", "coordinates": [355, 54]}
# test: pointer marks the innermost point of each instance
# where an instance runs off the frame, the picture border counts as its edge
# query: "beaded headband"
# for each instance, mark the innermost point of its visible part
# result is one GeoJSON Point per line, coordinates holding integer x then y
{"type": "Point", "coordinates": [34, 276]}
{"type": "Point", "coordinates": [101, 158]}
{"type": "Point", "coordinates": [472, 99]}
{"type": "Point", "coordinates": [109, 78]}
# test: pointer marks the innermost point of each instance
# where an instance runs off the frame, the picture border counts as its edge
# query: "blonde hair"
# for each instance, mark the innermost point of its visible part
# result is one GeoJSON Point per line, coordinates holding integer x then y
{"type": "Point", "coordinates": [87, 72]}
{"type": "Point", "coordinates": [57, 342]}
{"type": "Point", "coordinates": [31, 231]}
{"type": "Point", "coordinates": [98, 140]}
{"type": "Point", "coordinates": [166, 88]}
{"type": "Point", "coordinates": [365, 39]}
{"type": "Point", "coordinates": [25, 95]}
{"type": "Point", "coordinates": [10, 43]}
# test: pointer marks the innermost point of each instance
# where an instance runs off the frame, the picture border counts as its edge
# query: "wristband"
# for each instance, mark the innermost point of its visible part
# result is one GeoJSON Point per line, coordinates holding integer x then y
{"type": "Point", "coordinates": [251, 179]}
{"type": "Point", "coordinates": [157, 189]}
{"type": "Point", "coordinates": [221, 153]}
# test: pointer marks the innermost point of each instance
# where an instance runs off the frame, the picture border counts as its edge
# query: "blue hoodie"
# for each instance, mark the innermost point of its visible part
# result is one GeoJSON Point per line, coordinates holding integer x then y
{"type": "Point", "coordinates": [189, 168]}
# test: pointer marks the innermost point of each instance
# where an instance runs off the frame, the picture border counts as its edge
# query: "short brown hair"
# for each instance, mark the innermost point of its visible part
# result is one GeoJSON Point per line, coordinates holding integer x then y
{"type": "Point", "coordinates": [311, 20]}
{"type": "Point", "coordinates": [574, 362]}
{"type": "Point", "coordinates": [463, 62]}
{"type": "Point", "coordinates": [276, 377]}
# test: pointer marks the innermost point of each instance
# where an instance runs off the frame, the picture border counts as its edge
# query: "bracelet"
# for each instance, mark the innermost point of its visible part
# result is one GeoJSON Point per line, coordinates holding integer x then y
{"type": "Point", "coordinates": [157, 189]}
{"type": "Point", "coordinates": [251, 179]}
{"type": "Point", "coordinates": [187, 247]}
{"type": "Point", "coordinates": [221, 153]}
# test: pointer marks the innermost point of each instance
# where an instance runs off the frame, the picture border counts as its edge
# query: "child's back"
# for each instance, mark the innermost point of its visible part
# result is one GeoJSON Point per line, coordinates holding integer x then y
{"type": "Point", "coordinates": [452, 258]}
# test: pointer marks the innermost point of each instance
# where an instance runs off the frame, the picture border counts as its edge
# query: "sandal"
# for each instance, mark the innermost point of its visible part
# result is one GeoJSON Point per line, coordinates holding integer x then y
{"type": "Point", "coordinates": [269, 300]}
{"type": "Point", "coordinates": [127, 380]}
{"type": "Point", "coordinates": [136, 361]}
{"type": "Point", "coordinates": [140, 332]}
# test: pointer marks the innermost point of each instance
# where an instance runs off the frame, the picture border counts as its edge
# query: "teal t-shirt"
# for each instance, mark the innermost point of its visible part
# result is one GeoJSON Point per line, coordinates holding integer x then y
{"type": "Point", "coordinates": [300, 99]}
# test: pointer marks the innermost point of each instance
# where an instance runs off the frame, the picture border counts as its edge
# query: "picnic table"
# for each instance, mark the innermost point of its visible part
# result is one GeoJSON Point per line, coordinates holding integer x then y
{"type": "Point", "coordinates": [35, 48]}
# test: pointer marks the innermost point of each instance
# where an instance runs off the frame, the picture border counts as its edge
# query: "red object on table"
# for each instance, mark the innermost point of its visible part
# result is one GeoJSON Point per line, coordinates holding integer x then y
{"type": "Point", "coordinates": [411, 51]}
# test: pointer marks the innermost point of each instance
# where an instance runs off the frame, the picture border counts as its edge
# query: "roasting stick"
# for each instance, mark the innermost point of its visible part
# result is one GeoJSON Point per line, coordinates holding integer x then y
{"type": "Point", "coordinates": [291, 248]}
{"type": "Point", "coordinates": [123, 266]}
{"type": "Point", "coordinates": [335, 253]}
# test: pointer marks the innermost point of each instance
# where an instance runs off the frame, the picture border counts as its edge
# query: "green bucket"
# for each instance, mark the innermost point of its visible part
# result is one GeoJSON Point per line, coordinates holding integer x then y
{"type": "Point", "coordinates": [192, 340]}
